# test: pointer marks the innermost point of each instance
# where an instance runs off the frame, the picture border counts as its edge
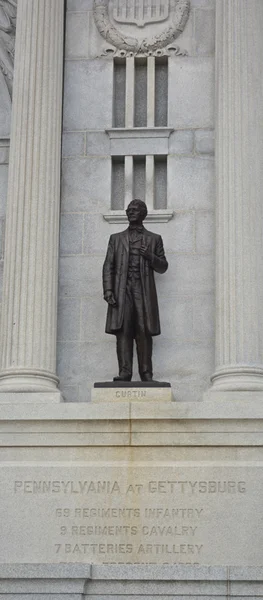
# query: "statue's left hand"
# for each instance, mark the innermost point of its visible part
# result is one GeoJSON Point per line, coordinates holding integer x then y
{"type": "Point", "coordinates": [146, 253]}
{"type": "Point", "coordinates": [109, 297]}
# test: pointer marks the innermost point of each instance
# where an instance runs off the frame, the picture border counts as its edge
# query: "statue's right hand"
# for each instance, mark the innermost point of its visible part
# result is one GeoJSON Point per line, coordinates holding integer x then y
{"type": "Point", "coordinates": [109, 297]}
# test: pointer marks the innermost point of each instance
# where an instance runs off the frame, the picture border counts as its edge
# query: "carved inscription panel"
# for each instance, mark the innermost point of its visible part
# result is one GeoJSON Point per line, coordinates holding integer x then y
{"type": "Point", "coordinates": [141, 514]}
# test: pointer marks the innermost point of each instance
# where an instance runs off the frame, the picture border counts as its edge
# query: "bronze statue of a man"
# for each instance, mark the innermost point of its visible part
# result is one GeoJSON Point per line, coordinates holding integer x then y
{"type": "Point", "coordinates": [129, 288]}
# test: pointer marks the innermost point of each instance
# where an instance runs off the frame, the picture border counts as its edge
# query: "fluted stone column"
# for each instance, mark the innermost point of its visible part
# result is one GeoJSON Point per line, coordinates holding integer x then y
{"type": "Point", "coordinates": [239, 160]}
{"type": "Point", "coordinates": [28, 330]}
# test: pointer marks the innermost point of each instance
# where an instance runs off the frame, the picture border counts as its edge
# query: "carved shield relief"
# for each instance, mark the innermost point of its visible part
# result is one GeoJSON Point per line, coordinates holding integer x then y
{"type": "Point", "coordinates": [140, 12]}
{"type": "Point", "coordinates": [141, 26]}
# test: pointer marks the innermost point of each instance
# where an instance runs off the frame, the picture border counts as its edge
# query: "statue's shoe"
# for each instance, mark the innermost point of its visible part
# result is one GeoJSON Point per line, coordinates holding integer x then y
{"type": "Point", "coordinates": [147, 377]}
{"type": "Point", "coordinates": [122, 378]}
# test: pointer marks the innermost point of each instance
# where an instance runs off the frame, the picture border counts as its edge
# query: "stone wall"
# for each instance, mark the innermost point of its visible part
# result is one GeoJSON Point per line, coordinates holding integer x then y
{"type": "Point", "coordinates": [184, 354]}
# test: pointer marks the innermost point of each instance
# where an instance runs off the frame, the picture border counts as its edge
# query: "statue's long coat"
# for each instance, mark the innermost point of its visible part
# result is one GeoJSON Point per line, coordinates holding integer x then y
{"type": "Point", "coordinates": [115, 271]}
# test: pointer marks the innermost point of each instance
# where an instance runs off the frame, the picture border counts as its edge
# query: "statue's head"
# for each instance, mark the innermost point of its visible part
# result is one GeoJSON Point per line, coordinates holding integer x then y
{"type": "Point", "coordinates": [136, 211]}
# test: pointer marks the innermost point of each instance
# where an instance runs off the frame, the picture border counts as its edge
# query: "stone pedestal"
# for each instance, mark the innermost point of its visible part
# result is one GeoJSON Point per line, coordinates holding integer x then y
{"type": "Point", "coordinates": [122, 483]}
{"type": "Point", "coordinates": [131, 391]}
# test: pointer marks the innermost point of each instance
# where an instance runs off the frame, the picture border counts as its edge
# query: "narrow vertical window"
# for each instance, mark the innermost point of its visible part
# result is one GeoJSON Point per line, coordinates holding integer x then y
{"type": "Point", "coordinates": [160, 182]}
{"type": "Point", "coordinates": [139, 177]}
{"type": "Point", "coordinates": [140, 112]}
{"type": "Point", "coordinates": [117, 183]}
{"type": "Point", "coordinates": [161, 91]}
{"type": "Point", "coordinates": [119, 93]}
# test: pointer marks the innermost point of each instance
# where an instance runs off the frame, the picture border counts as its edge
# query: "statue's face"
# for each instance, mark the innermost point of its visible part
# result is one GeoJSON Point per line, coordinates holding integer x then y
{"type": "Point", "coordinates": [134, 214]}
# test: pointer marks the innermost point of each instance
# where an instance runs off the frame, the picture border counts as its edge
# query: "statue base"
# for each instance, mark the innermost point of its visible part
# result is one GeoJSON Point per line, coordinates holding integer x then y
{"type": "Point", "coordinates": [130, 391]}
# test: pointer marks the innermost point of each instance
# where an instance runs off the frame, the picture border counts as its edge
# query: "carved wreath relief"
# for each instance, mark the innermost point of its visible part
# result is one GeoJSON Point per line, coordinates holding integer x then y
{"type": "Point", "coordinates": [113, 16]}
{"type": "Point", "coordinates": [8, 10]}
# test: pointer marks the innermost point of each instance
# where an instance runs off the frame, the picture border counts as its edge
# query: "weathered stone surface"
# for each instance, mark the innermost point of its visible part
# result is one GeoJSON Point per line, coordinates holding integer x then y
{"type": "Point", "coordinates": [82, 5]}
{"type": "Point", "coordinates": [93, 317]}
{"type": "Point", "coordinates": [3, 188]}
{"type": "Point", "coordinates": [75, 271]}
{"type": "Point", "coordinates": [205, 231]}
{"type": "Point", "coordinates": [180, 233]}
{"type": "Point", "coordinates": [178, 322]}
{"type": "Point", "coordinates": [204, 32]}
{"type": "Point", "coordinates": [191, 82]}
{"type": "Point", "coordinates": [77, 362]}
{"type": "Point", "coordinates": [86, 184]}
{"type": "Point", "coordinates": [190, 183]}
{"type": "Point", "coordinates": [199, 3]}
{"type": "Point", "coordinates": [2, 233]}
{"type": "Point", "coordinates": [97, 143]}
{"type": "Point", "coordinates": [69, 319]}
{"type": "Point", "coordinates": [71, 361]}
{"type": "Point", "coordinates": [1, 278]}
{"type": "Point", "coordinates": [96, 234]}
{"type": "Point", "coordinates": [204, 141]}
{"type": "Point", "coordinates": [73, 144]}
{"type": "Point", "coordinates": [84, 390]}
{"type": "Point", "coordinates": [71, 234]}
{"type": "Point", "coordinates": [83, 108]}
{"type": "Point", "coordinates": [193, 272]}
{"type": "Point", "coordinates": [204, 311]}
{"type": "Point", "coordinates": [5, 108]}
{"type": "Point", "coordinates": [77, 35]}
{"type": "Point", "coordinates": [181, 142]}
{"type": "Point", "coordinates": [180, 362]}
{"type": "Point", "coordinates": [70, 393]}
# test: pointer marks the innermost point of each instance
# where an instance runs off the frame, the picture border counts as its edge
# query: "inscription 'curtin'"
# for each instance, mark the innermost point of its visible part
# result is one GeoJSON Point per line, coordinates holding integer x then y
{"type": "Point", "coordinates": [131, 394]}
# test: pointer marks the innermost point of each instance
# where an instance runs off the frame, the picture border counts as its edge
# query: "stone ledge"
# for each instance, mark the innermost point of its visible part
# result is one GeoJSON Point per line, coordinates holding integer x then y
{"type": "Point", "coordinates": [237, 409]}
{"type": "Point", "coordinates": [128, 581]}
{"type": "Point", "coordinates": [155, 216]}
{"type": "Point", "coordinates": [43, 571]}
{"type": "Point", "coordinates": [219, 396]}
{"type": "Point", "coordinates": [77, 571]}
{"type": "Point", "coordinates": [139, 132]}
{"type": "Point", "coordinates": [133, 424]}
{"type": "Point", "coordinates": [139, 141]}
{"type": "Point", "coordinates": [159, 572]}
{"type": "Point", "coordinates": [30, 397]}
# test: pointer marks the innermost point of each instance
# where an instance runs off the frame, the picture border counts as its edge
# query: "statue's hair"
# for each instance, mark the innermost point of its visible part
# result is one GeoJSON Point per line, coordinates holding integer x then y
{"type": "Point", "coordinates": [142, 206]}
